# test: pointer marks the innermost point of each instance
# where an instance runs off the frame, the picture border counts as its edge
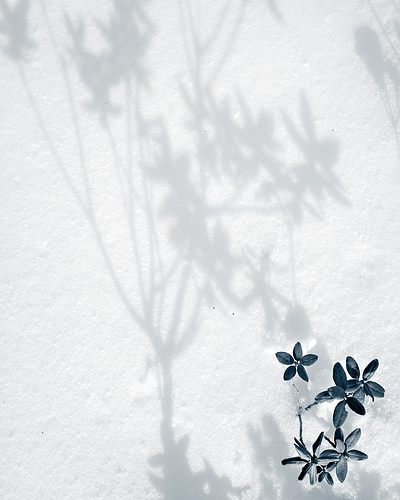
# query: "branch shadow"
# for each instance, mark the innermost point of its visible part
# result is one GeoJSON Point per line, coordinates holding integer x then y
{"type": "Point", "coordinates": [235, 148]}
{"type": "Point", "coordinates": [274, 9]}
{"type": "Point", "coordinates": [379, 49]}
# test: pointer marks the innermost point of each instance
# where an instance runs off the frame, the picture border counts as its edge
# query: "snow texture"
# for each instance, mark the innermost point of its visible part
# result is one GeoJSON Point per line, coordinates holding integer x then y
{"type": "Point", "coordinates": [188, 187]}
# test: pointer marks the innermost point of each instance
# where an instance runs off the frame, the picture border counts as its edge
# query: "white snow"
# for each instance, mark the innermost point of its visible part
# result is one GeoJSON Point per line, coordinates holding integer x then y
{"type": "Point", "coordinates": [188, 187]}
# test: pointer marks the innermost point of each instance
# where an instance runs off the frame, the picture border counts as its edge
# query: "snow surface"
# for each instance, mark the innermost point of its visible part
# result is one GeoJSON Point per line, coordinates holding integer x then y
{"type": "Point", "coordinates": [188, 187]}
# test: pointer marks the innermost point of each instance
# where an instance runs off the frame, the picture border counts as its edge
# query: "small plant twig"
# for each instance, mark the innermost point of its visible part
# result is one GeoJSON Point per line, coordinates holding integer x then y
{"type": "Point", "coordinates": [300, 408]}
{"type": "Point", "coordinates": [310, 405]}
{"type": "Point", "coordinates": [330, 442]}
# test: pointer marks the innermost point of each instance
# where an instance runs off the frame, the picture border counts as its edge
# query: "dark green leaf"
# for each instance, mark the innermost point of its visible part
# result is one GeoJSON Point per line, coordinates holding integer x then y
{"type": "Point", "coordinates": [309, 359]}
{"type": "Point", "coordinates": [329, 479]}
{"type": "Point", "coordinates": [353, 438]}
{"type": "Point", "coordinates": [323, 396]}
{"type": "Point", "coordinates": [285, 358]}
{"type": "Point", "coordinates": [290, 372]}
{"type": "Point", "coordinates": [339, 436]}
{"type": "Point", "coordinates": [313, 475]}
{"type": "Point", "coordinates": [300, 443]}
{"type": "Point", "coordinates": [293, 461]}
{"type": "Point", "coordinates": [357, 455]}
{"type": "Point", "coordinates": [328, 456]}
{"type": "Point", "coordinates": [341, 469]}
{"type": "Point", "coordinates": [297, 351]}
{"type": "Point", "coordinates": [302, 372]}
{"type": "Point", "coordinates": [340, 414]}
{"type": "Point", "coordinates": [368, 391]}
{"type": "Point", "coordinates": [317, 443]}
{"type": "Point", "coordinates": [377, 390]}
{"type": "Point", "coordinates": [356, 406]}
{"type": "Point", "coordinates": [360, 395]}
{"type": "Point", "coordinates": [321, 477]}
{"type": "Point", "coordinates": [352, 367]}
{"type": "Point", "coordinates": [304, 471]}
{"type": "Point", "coordinates": [337, 392]}
{"type": "Point", "coordinates": [302, 449]}
{"type": "Point", "coordinates": [353, 385]}
{"type": "Point", "coordinates": [330, 466]}
{"type": "Point", "coordinates": [339, 376]}
{"type": "Point", "coordinates": [370, 369]}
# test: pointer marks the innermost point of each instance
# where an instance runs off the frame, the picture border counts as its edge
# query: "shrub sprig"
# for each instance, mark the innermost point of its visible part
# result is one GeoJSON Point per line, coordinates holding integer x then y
{"type": "Point", "coordinates": [351, 394]}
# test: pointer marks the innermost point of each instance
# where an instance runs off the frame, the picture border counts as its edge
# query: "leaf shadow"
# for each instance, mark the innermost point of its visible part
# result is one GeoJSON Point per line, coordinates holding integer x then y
{"type": "Point", "coordinates": [242, 153]}
{"type": "Point", "coordinates": [14, 26]}
{"type": "Point", "coordinates": [379, 49]}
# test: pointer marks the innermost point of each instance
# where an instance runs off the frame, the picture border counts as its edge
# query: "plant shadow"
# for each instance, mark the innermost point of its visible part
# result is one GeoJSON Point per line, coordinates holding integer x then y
{"type": "Point", "coordinates": [379, 49]}
{"type": "Point", "coordinates": [188, 253]}
{"type": "Point", "coordinates": [14, 26]}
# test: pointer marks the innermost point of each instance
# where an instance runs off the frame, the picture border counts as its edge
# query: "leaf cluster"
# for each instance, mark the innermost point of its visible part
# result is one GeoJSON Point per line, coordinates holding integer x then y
{"type": "Point", "coordinates": [297, 362]}
{"type": "Point", "coordinates": [350, 393]}
{"type": "Point", "coordinates": [318, 465]}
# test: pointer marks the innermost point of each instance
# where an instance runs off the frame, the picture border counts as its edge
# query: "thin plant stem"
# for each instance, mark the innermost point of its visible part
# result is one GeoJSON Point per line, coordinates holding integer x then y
{"type": "Point", "coordinates": [300, 408]}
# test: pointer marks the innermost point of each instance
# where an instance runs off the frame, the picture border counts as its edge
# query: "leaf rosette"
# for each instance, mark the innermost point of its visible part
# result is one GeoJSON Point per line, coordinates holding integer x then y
{"type": "Point", "coordinates": [296, 363]}
{"type": "Point", "coordinates": [341, 391]}
{"type": "Point", "coordinates": [364, 386]}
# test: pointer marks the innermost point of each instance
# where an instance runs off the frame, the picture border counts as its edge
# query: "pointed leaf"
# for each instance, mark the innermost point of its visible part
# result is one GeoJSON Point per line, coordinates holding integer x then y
{"type": "Point", "coordinates": [337, 392]}
{"type": "Point", "coordinates": [356, 406]}
{"type": "Point", "coordinates": [377, 390]}
{"type": "Point", "coordinates": [353, 438]}
{"type": "Point", "coordinates": [300, 443]}
{"type": "Point", "coordinates": [303, 451]}
{"type": "Point", "coordinates": [304, 471]}
{"type": "Point", "coordinates": [340, 414]}
{"type": "Point", "coordinates": [339, 436]}
{"type": "Point", "coordinates": [290, 372]}
{"type": "Point", "coordinates": [357, 455]}
{"type": "Point", "coordinates": [321, 477]}
{"type": "Point", "coordinates": [297, 351]}
{"type": "Point", "coordinates": [309, 359]}
{"type": "Point", "coordinates": [328, 456]}
{"type": "Point", "coordinates": [323, 396]}
{"type": "Point", "coordinates": [302, 372]}
{"type": "Point", "coordinates": [370, 369]}
{"type": "Point", "coordinates": [293, 461]}
{"type": "Point", "coordinates": [317, 443]}
{"type": "Point", "coordinates": [313, 475]}
{"type": "Point", "coordinates": [341, 469]}
{"type": "Point", "coordinates": [285, 358]}
{"type": "Point", "coordinates": [352, 367]}
{"type": "Point", "coordinates": [339, 376]}
{"type": "Point", "coordinates": [301, 447]}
